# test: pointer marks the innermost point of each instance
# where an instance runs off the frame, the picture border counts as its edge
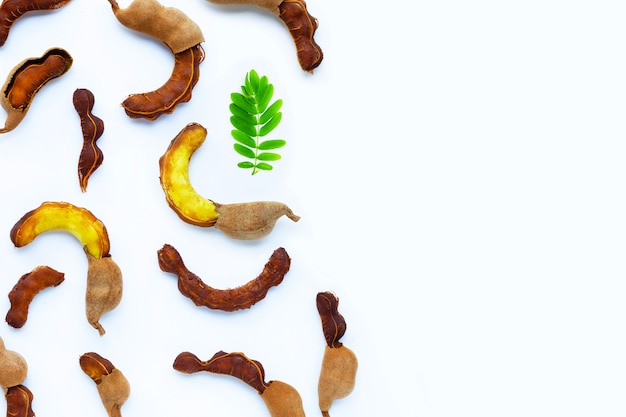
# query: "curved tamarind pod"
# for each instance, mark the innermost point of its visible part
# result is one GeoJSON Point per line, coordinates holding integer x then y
{"type": "Point", "coordinates": [281, 399]}
{"type": "Point", "coordinates": [91, 156]}
{"type": "Point", "coordinates": [112, 385]}
{"type": "Point", "coordinates": [26, 288]}
{"type": "Point", "coordinates": [104, 277]}
{"type": "Point", "coordinates": [26, 79]}
{"type": "Point", "coordinates": [301, 26]}
{"type": "Point", "coordinates": [166, 24]}
{"type": "Point", "coordinates": [11, 10]}
{"type": "Point", "coordinates": [177, 89]}
{"type": "Point", "coordinates": [182, 36]}
{"type": "Point", "coordinates": [339, 364]}
{"type": "Point", "coordinates": [245, 296]}
{"type": "Point", "coordinates": [78, 221]}
{"type": "Point", "coordinates": [245, 221]}
{"type": "Point", "coordinates": [19, 401]}
{"type": "Point", "coordinates": [13, 368]}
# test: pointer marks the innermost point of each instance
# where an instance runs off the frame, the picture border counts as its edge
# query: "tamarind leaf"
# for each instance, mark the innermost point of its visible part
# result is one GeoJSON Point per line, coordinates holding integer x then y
{"type": "Point", "coordinates": [271, 144]}
{"type": "Point", "coordinates": [254, 116]}
{"type": "Point", "coordinates": [244, 139]}
{"type": "Point", "coordinates": [268, 156]}
{"type": "Point", "coordinates": [270, 125]}
{"type": "Point", "coordinates": [271, 111]}
{"type": "Point", "coordinates": [244, 151]}
{"type": "Point", "coordinates": [243, 126]}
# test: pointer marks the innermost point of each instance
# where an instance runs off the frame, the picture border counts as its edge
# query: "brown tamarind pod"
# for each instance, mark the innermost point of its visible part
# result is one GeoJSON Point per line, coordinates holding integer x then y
{"type": "Point", "coordinates": [11, 10]}
{"type": "Point", "coordinates": [13, 368]}
{"type": "Point", "coordinates": [177, 89]}
{"type": "Point", "coordinates": [242, 297]}
{"type": "Point", "coordinates": [182, 36]}
{"type": "Point", "coordinates": [26, 79]}
{"type": "Point", "coordinates": [112, 385]}
{"type": "Point", "coordinates": [281, 399]}
{"type": "Point", "coordinates": [301, 26]}
{"type": "Point", "coordinates": [25, 290]}
{"type": "Point", "coordinates": [92, 127]}
{"type": "Point", "coordinates": [19, 401]}
{"type": "Point", "coordinates": [339, 364]}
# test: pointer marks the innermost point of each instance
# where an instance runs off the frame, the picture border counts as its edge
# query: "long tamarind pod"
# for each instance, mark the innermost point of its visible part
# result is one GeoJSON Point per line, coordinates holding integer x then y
{"type": "Point", "coordinates": [242, 297]}
{"type": "Point", "coordinates": [11, 10]}
{"type": "Point", "coordinates": [234, 364]}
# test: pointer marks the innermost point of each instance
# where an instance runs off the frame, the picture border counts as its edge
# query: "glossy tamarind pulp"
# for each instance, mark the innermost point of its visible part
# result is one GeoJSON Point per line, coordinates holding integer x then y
{"type": "Point", "coordinates": [242, 297]}
{"type": "Point", "coordinates": [11, 10]}
{"type": "Point", "coordinates": [177, 89]}
{"type": "Point", "coordinates": [25, 290]}
{"type": "Point", "coordinates": [19, 401]}
{"type": "Point", "coordinates": [26, 79]}
{"type": "Point", "coordinates": [92, 127]}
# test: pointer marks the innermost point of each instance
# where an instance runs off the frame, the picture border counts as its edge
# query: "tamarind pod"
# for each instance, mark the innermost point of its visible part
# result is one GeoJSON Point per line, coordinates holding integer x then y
{"type": "Point", "coordinates": [234, 364]}
{"type": "Point", "coordinates": [11, 10]}
{"type": "Point", "coordinates": [244, 221]}
{"type": "Point", "coordinates": [26, 79]}
{"type": "Point", "coordinates": [242, 297]}
{"type": "Point", "coordinates": [19, 401]}
{"type": "Point", "coordinates": [78, 221]}
{"type": "Point", "coordinates": [91, 156]}
{"type": "Point", "coordinates": [282, 400]}
{"type": "Point", "coordinates": [113, 387]}
{"type": "Point", "coordinates": [302, 27]}
{"type": "Point", "coordinates": [333, 323]}
{"type": "Point", "coordinates": [166, 24]}
{"type": "Point", "coordinates": [13, 368]}
{"type": "Point", "coordinates": [25, 290]}
{"type": "Point", "coordinates": [177, 89]}
{"type": "Point", "coordinates": [104, 289]}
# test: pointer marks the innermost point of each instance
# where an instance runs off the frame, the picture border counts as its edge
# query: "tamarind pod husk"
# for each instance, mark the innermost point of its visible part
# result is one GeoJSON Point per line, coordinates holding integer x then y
{"type": "Point", "coordinates": [19, 401]}
{"type": "Point", "coordinates": [302, 27]}
{"type": "Point", "coordinates": [13, 368]}
{"type": "Point", "coordinates": [270, 5]}
{"type": "Point", "coordinates": [166, 24]}
{"type": "Point", "coordinates": [113, 387]}
{"type": "Point", "coordinates": [177, 89]}
{"type": "Point", "coordinates": [104, 289]}
{"type": "Point", "coordinates": [26, 79]}
{"type": "Point", "coordinates": [235, 364]}
{"type": "Point", "coordinates": [282, 400]}
{"type": "Point", "coordinates": [242, 297]}
{"type": "Point", "coordinates": [11, 10]}
{"type": "Point", "coordinates": [337, 376]}
{"type": "Point", "coordinates": [333, 323]}
{"type": "Point", "coordinates": [251, 220]}
{"type": "Point", "coordinates": [25, 290]}
{"type": "Point", "coordinates": [92, 127]}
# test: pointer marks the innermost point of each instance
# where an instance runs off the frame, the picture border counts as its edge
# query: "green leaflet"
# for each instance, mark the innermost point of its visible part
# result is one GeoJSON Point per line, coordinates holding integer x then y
{"type": "Point", "coordinates": [254, 116]}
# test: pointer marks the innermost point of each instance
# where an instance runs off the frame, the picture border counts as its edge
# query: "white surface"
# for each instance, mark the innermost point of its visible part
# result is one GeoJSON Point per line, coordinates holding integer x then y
{"type": "Point", "coordinates": [459, 169]}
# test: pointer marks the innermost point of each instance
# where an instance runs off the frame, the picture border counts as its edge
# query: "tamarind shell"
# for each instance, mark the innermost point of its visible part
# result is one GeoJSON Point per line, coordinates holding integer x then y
{"type": "Point", "coordinates": [337, 376]}
{"type": "Point", "coordinates": [104, 289]}
{"type": "Point", "coordinates": [282, 400]}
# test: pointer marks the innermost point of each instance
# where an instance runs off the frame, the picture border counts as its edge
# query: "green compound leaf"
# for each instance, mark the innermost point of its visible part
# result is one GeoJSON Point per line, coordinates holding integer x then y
{"type": "Point", "coordinates": [254, 116]}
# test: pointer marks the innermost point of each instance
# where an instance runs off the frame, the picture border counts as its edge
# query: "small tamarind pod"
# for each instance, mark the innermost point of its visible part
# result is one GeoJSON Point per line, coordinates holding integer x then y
{"type": "Point", "coordinates": [242, 297]}
{"type": "Point", "coordinates": [26, 288]}
{"type": "Point", "coordinates": [92, 127]}
{"type": "Point", "coordinates": [301, 26]}
{"type": "Point", "coordinates": [280, 398]}
{"type": "Point", "coordinates": [182, 36]}
{"type": "Point", "coordinates": [26, 79]}
{"type": "Point", "coordinates": [104, 277]}
{"type": "Point", "coordinates": [19, 401]}
{"type": "Point", "coordinates": [244, 221]}
{"type": "Point", "coordinates": [113, 387]}
{"type": "Point", "coordinates": [339, 364]}
{"type": "Point", "coordinates": [11, 10]}
{"type": "Point", "coordinates": [13, 368]}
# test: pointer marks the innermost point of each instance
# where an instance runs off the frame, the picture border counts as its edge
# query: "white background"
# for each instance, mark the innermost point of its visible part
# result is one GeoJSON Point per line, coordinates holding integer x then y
{"type": "Point", "coordinates": [459, 169]}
